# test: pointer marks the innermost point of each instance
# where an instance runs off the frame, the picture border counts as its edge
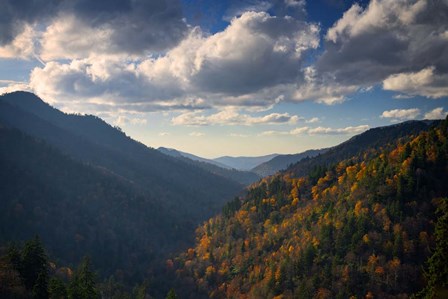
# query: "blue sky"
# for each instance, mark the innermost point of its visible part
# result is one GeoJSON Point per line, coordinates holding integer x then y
{"type": "Point", "coordinates": [232, 77]}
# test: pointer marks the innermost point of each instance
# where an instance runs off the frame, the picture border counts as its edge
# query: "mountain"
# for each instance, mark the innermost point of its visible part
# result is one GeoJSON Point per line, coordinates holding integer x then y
{"type": "Point", "coordinates": [281, 162]}
{"type": "Point", "coordinates": [363, 228]}
{"type": "Point", "coordinates": [244, 163]}
{"type": "Point", "coordinates": [375, 138]}
{"type": "Point", "coordinates": [79, 209]}
{"type": "Point", "coordinates": [176, 153]}
{"type": "Point", "coordinates": [91, 140]}
{"type": "Point", "coordinates": [242, 177]}
{"type": "Point", "coordinates": [170, 196]}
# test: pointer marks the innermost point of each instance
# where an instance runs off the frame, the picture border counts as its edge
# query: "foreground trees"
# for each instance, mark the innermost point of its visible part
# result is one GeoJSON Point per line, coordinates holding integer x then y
{"type": "Point", "coordinates": [26, 273]}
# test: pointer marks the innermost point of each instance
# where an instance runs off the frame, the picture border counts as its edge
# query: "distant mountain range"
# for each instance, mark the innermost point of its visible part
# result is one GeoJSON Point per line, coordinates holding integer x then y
{"type": "Point", "coordinates": [244, 163]}
{"type": "Point", "coordinates": [232, 167]}
{"type": "Point", "coordinates": [176, 153]}
{"type": "Point", "coordinates": [239, 176]}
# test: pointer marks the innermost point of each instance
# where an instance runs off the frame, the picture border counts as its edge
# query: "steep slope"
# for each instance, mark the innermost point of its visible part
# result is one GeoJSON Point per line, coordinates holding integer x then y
{"type": "Point", "coordinates": [372, 139]}
{"type": "Point", "coordinates": [281, 162]}
{"type": "Point", "coordinates": [187, 190]}
{"type": "Point", "coordinates": [362, 228]}
{"type": "Point", "coordinates": [244, 163]}
{"type": "Point", "coordinates": [242, 177]}
{"type": "Point", "coordinates": [80, 210]}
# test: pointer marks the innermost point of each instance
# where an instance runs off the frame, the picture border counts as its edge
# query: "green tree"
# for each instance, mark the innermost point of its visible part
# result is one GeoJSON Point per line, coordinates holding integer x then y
{"type": "Point", "coordinates": [437, 274]}
{"type": "Point", "coordinates": [34, 267]}
{"type": "Point", "coordinates": [171, 295]}
{"type": "Point", "coordinates": [40, 288]}
{"type": "Point", "coordinates": [83, 284]}
{"type": "Point", "coordinates": [57, 289]}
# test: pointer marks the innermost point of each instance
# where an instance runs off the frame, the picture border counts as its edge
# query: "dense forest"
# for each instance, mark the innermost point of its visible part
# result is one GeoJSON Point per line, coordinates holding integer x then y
{"type": "Point", "coordinates": [362, 227]}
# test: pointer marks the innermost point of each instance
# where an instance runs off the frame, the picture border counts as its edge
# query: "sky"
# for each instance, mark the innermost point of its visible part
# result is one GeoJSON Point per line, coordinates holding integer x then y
{"type": "Point", "coordinates": [239, 78]}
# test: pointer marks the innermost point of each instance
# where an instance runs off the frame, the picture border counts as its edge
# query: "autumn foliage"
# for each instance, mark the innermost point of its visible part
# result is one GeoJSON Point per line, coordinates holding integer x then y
{"type": "Point", "coordinates": [361, 228]}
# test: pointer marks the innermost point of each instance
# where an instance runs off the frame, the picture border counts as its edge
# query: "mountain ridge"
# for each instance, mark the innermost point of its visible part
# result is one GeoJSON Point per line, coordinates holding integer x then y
{"type": "Point", "coordinates": [283, 161]}
{"type": "Point", "coordinates": [240, 176]}
{"type": "Point", "coordinates": [243, 162]}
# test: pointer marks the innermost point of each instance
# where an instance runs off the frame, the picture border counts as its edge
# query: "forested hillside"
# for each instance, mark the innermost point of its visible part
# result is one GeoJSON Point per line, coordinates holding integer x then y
{"type": "Point", "coordinates": [354, 147]}
{"type": "Point", "coordinates": [185, 189]}
{"type": "Point", "coordinates": [81, 210]}
{"type": "Point", "coordinates": [361, 227]}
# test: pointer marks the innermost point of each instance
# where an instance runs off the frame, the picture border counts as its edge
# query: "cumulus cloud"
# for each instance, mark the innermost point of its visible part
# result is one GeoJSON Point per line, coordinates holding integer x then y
{"type": "Point", "coordinates": [385, 39]}
{"type": "Point", "coordinates": [22, 46]}
{"type": "Point", "coordinates": [8, 86]}
{"type": "Point", "coordinates": [293, 8]}
{"type": "Point", "coordinates": [231, 116]}
{"type": "Point", "coordinates": [312, 120]}
{"type": "Point", "coordinates": [437, 113]}
{"type": "Point", "coordinates": [253, 62]}
{"type": "Point", "coordinates": [322, 88]}
{"type": "Point", "coordinates": [255, 51]}
{"type": "Point", "coordinates": [142, 56]}
{"type": "Point", "coordinates": [131, 26]}
{"type": "Point", "coordinates": [424, 83]}
{"type": "Point", "coordinates": [401, 114]}
{"type": "Point", "coordinates": [104, 81]}
{"type": "Point", "coordinates": [319, 131]}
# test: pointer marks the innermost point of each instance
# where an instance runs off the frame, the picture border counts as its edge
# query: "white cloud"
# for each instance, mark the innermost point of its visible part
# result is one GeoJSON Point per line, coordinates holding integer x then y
{"type": "Point", "coordinates": [70, 38]}
{"type": "Point", "coordinates": [391, 41]}
{"type": "Point", "coordinates": [22, 46]}
{"type": "Point", "coordinates": [7, 86]}
{"type": "Point", "coordinates": [402, 96]}
{"type": "Point", "coordinates": [253, 62]}
{"type": "Point", "coordinates": [125, 120]}
{"type": "Point", "coordinates": [322, 89]}
{"type": "Point", "coordinates": [196, 134]}
{"type": "Point", "coordinates": [231, 116]}
{"type": "Point", "coordinates": [338, 131]}
{"type": "Point", "coordinates": [437, 113]}
{"type": "Point", "coordinates": [424, 83]}
{"type": "Point", "coordinates": [401, 114]}
{"type": "Point", "coordinates": [134, 26]}
{"type": "Point", "coordinates": [319, 131]}
{"type": "Point", "coordinates": [312, 120]}
{"type": "Point", "coordinates": [164, 134]}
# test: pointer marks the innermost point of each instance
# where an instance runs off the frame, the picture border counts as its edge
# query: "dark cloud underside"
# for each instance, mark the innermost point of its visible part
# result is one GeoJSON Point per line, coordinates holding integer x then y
{"type": "Point", "coordinates": [137, 25]}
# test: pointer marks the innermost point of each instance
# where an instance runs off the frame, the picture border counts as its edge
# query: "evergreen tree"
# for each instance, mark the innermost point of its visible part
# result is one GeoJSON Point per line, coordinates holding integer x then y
{"type": "Point", "coordinates": [57, 289]}
{"type": "Point", "coordinates": [437, 274]}
{"type": "Point", "coordinates": [40, 288]}
{"type": "Point", "coordinates": [171, 295]}
{"type": "Point", "coordinates": [34, 263]}
{"type": "Point", "coordinates": [83, 285]}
